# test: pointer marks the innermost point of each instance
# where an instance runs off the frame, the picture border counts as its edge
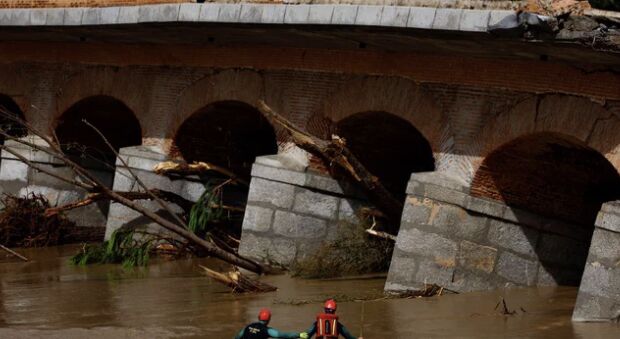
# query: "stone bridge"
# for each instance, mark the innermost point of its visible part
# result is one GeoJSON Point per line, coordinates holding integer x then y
{"type": "Point", "coordinates": [505, 151]}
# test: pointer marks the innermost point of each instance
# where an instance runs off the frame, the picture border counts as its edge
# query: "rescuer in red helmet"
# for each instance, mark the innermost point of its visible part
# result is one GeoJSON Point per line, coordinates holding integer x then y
{"type": "Point", "coordinates": [327, 325]}
{"type": "Point", "coordinates": [260, 330]}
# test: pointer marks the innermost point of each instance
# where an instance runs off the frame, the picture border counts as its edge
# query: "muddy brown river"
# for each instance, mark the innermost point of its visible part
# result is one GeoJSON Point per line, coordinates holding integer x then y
{"type": "Point", "coordinates": [48, 297]}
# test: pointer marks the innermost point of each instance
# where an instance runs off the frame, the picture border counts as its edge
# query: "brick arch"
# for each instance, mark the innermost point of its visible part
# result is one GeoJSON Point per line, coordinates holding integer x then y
{"type": "Point", "coordinates": [551, 174]}
{"type": "Point", "coordinates": [105, 81]}
{"type": "Point", "coordinates": [229, 85]}
{"type": "Point", "coordinates": [587, 122]}
{"type": "Point", "coordinates": [398, 96]}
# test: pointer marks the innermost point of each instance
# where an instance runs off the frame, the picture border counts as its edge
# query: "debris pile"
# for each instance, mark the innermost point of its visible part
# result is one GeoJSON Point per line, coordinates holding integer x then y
{"type": "Point", "coordinates": [24, 223]}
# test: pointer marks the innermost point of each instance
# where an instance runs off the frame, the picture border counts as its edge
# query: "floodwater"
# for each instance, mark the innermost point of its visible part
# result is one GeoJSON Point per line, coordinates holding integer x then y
{"type": "Point", "coordinates": [50, 298]}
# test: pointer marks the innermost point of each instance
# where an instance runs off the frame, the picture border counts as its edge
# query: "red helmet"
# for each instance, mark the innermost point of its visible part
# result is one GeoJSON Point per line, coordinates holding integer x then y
{"type": "Point", "coordinates": [330, 304]}
{"type": "Point", "coordinates": [264, 314]}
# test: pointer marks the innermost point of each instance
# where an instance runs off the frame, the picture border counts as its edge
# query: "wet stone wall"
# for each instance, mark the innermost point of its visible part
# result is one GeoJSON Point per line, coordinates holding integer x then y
{"type": "Point", "coordinates": [291, 212]}
{"type": "Point", "coordinates": [599, 292]}
{"type": "Point", "coordinates": [465, 243]}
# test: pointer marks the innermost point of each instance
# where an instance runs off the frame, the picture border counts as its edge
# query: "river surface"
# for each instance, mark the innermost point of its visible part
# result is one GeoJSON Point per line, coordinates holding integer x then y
{"type": "Point", "coordinates": [48, 297]}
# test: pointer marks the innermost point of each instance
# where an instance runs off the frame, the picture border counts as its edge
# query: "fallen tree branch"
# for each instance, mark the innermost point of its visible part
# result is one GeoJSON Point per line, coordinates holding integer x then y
{"type": "Point", "coordinates": [2, 247]}
{"type": "Point", "coordinates": [335, 152]}
{"type": "Point", "coordinates": [195, 168]}
{"type": "Point", "coordinates": [238, 282]}
{"type": "Point", "coordinates": [179, 228]}
{"type": "Point", "coordinates": [186, 205]}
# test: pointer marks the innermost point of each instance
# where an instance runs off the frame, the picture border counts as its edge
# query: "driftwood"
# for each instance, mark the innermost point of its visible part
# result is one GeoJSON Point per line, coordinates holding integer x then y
{"type": "Point", "coordinates": [10, 251]}
{"type": "Point", "coordinates": [91, 184]}
{"type": "Point", "coordinates": [238, 282]}
{"type": "Point", "coordinates": [335, 152]}
{"type": "Point", "coordinates": [199, 167]}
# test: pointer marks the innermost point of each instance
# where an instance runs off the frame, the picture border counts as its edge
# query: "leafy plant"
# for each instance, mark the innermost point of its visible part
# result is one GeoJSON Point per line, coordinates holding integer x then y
{"type": "Point", "coordinates": [123, 247]}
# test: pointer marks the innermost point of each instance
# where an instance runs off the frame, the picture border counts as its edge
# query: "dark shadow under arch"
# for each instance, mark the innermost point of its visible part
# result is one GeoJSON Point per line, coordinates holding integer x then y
{"type": "Point", "coordinates": [555, 176]}
{"type": "Point", "coordinates": [111, 116]}
{"type": "Point", "coordinates": [12, 128]}
{"type": "Point", "coordinates": [390, 147]}
{"type": "Point", "coordinates": [230, 134]}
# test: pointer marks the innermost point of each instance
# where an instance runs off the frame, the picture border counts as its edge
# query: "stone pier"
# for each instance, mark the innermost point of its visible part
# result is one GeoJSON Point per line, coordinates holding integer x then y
{"type": "Point", "coordinates": [291, 211]}
{"type": "Point", "coordinates": [141, 160]}
{"type": "Point", "coordinates": [466, 243]}
{"type": "Point", "coordinates": [19, 179]}
{"type": "Point", "coordinates": [599, 292]}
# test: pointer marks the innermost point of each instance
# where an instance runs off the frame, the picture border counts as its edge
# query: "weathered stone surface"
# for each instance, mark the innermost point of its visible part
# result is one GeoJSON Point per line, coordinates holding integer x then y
{"type": "Point", "coordinates": [609, 221]}
{"type": "Point", "coordinates": [427, 244]}
{"type": "Point", "coordinates": [254, 246]}
{"type": "Point", "coordinates": [91, 16]}
{"type": "Point", "coordinates": [283, 251]}
{"type": "Point", "coordinates": [109, 15]}
{"type": "Point", "coordinates": [344, 15]}
{"type": "Point", "coordinates": [434, 272]}
{"type": "Point", "coordinates": [275, 193]}
{"type": "Point", "coordinates": [487, 207]}
{"type": "Point", "coordinates": [417, 211]}
{"type": "Point", "coordinates": [445, 216]}
{"type": "Point", "coordinates": [189, 12]}
{"type": "Point", "coordinates": [516, 269]}
{"type": "Point", "coordinates": [296, 14]}
{"type": "Point", "coordinates": [514, 237]}
{"type": "Point", "coordinates": [251, 13]}
{"type": "Point", "coordinates": [369, 15]}
{"type": "Point", "coordinates": [447, 19]}
{"type": "Point", "coordinates": [395, 16]}
{"type": "Point", "coordinates": [421, 17]}
{"type": "Point", "coordinates": [229, 13]}
{"type": "Point", "coordinates": [476, 257]}
{"type": "Point", "coordinates": [273, 14]}
{"type": "Point", "coordinates": [605, 245]}
{"type": "Point", "coordinates": [317, 204]}
{"type": "Point", "coordinates": [209, 12]}
{"type": "Point", "coordinates": [257, 219]}
{"type": "Point", "coordinates": [474, 20]}
{"type": "Point", "coordinates": [347, 210]}
{"type": "Point", "coordinates": [127, 15]}
{"type": "Point", "coordinates": [320, 14]}
{"type": "Point", "coordinates": [278, 174]}
{"type": "Point", "coordinates": [474, 227]}
{"type": "Point", "coordinates": [596, 308]}
{"type": "Point", "coordinates": [297, 226]}
{"type": "Point", "coordinates": [13, 170]}
{"type": "Point", "coordinates": [601, 281]}
{"type": "Point", "coordinates": [446, 195]}
{"type": "Point", "coordinates": [402, 271]}
{"type": "Point", "coordinates": [466, 281]}
{"type": "Point", "coordinates": [73, 16]}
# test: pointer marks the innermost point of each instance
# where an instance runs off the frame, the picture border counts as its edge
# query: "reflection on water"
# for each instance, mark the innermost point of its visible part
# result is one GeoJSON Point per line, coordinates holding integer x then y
{"type": "Point", "coordinates": [50, 298]}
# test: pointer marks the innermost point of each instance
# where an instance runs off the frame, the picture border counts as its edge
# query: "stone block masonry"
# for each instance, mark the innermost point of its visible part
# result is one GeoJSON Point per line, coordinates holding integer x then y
{"type": "Point", "coordinates": [466, 243]}
{"type": "Point", "coordinates": [599, 292]}
{"type": "Point", "coordinates": [291, 212]}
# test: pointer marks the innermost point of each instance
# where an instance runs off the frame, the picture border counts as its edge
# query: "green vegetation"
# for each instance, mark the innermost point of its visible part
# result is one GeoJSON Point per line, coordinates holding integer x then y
{"type": "Point", "coordinates": [354, 252]}
{"type": "Point", "coordinates": [124, 247]}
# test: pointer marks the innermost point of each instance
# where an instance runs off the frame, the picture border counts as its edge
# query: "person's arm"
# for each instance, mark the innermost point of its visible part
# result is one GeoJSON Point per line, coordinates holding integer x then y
{"type": "Point", "coordinates": [273, 333]}
{"type": "Point", "coordinates": [345, 332]}
{"type": "Point", "coordinates": [240, 334]}
{"type": "Point", "coordinates": [312, 330]}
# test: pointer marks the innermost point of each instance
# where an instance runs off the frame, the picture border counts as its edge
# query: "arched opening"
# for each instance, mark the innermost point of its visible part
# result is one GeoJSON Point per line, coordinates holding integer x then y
{"type": "Point", "coordinates": [554, 176]}
{"type": "Point", "coordinates": [13, 129]}
{"type": "Point", "coordinates": [230, 134]}
{"type": "Point", "coordinates": [388, 146]}
{"type": "Point", "coordinates": [110, 116]}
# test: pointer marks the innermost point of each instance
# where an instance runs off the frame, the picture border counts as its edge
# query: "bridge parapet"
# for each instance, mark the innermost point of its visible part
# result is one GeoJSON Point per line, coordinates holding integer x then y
{"type": "Point", "coordinates": [449, 19]}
